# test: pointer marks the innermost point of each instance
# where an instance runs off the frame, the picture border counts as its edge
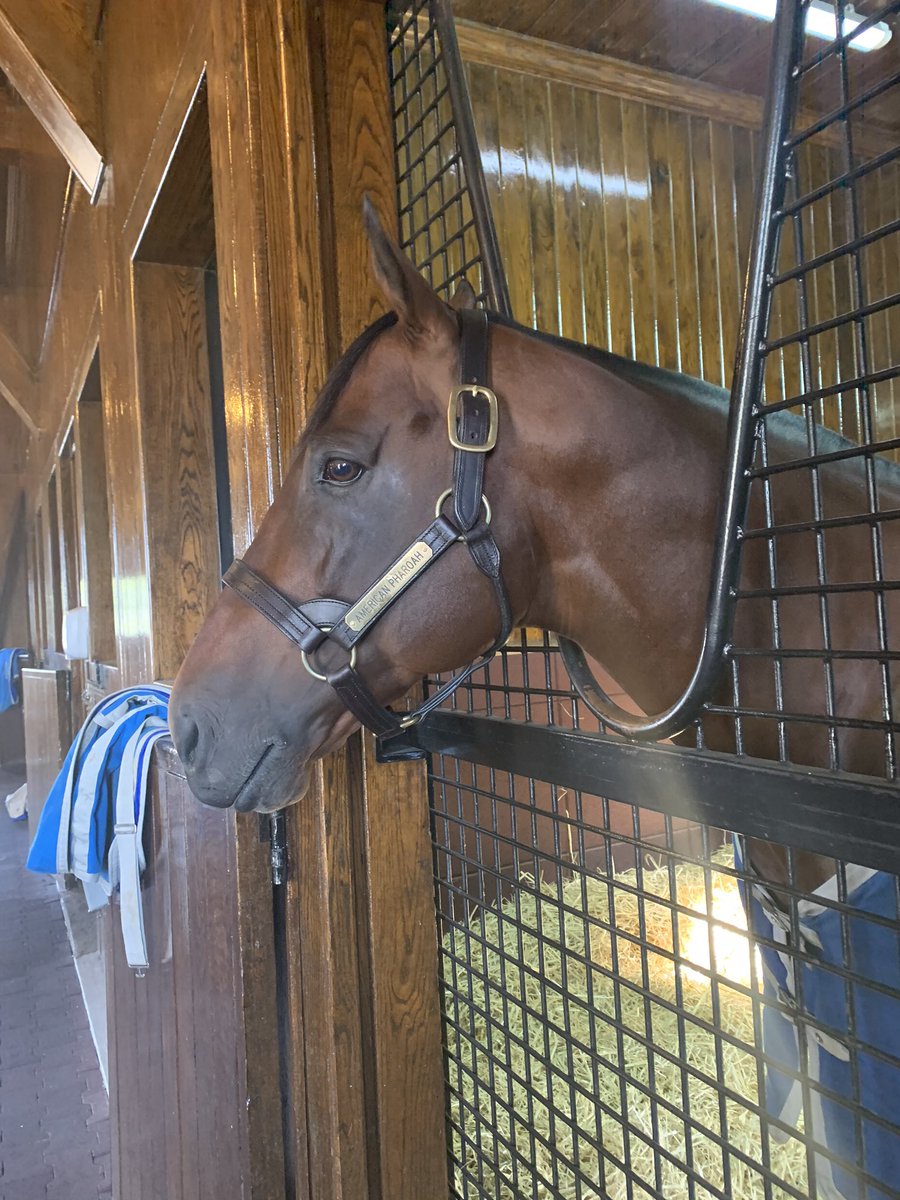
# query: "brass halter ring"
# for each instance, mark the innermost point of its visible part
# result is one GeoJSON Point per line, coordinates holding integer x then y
{"type": "Point", "coordinates": [449, 492]}
{"type": "Point", "coordinates": [317, 674]}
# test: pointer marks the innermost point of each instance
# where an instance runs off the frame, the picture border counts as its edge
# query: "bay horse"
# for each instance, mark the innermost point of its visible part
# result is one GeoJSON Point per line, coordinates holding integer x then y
{"type": "Point", "coordinates": [604, 485]}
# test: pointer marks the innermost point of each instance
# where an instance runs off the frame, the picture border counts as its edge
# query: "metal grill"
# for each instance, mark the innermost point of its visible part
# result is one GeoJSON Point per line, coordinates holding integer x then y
{"type": "Point", "coordinates": [612, 1028]}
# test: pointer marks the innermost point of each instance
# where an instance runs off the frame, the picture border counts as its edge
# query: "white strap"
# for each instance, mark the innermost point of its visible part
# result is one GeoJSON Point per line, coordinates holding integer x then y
{"type": "Point", "coordinates": [108, 710]}
{"type": "Point", "coordinates": [126, 856]}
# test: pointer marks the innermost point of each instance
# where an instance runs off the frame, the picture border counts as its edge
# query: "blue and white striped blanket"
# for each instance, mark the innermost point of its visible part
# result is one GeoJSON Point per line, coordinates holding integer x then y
{"type": "Point", "coordinates": [838, 1007]}
{"type": "Point", "coordinates": [10, 666]}
{"type": "Point", "coordinates": [92, 822]}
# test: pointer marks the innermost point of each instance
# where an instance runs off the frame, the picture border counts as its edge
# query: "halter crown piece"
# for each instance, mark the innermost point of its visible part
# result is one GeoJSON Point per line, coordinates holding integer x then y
{"type": "Point", "coordinates": [472, 429]}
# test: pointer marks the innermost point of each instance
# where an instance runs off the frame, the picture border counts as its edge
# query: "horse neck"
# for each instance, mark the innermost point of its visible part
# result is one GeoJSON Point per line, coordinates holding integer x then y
{"type": "Point", "coordinates": [621, 484]}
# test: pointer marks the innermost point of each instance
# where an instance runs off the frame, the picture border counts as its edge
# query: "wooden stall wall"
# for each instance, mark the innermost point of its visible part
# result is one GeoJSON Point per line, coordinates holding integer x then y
{"type": "Point", "coordinates": [227, 1136]}
{"type": "Point", "coordinates": [196, 1079]}
{"type": "Point", "coordinates": [364, 1102]}
{"type": "Point", "coordinates": [625, 219]}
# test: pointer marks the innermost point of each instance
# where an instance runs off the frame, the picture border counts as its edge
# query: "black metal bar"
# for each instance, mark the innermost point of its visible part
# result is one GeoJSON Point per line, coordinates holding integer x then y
{"type": "Point", "coordinates": [835, 389]}
{"type": "Point", "coordinates": [855, 314]}
{"type": "Point", "coordinates": [489, 244]}
{"type": "Point", "coordinates": [816, 589]}
{"type": "Point", "coordinates": [846, 179]}
{"type": "Point", "coordinates": [841, 114]}
{"type": "Point", "coordinates": [809, 808]}
{"type": "Point", "coordinates": [772, 531]}
{"type": "Point", "coordinates": [813, 264]}
{"type": "Point", "coordinates": [864, 451]}
{"type": "Point", "coordinates": [745, 391]}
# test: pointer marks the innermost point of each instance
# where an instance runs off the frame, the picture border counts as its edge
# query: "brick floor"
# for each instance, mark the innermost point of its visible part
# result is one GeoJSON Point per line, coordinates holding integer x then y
{"type": "Point", "coordinates": [54, 1114]}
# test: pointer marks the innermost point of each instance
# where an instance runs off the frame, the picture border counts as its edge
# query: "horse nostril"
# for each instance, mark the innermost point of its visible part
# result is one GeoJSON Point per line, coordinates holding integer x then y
{"type": "Point", "coordinates": [186, 735]}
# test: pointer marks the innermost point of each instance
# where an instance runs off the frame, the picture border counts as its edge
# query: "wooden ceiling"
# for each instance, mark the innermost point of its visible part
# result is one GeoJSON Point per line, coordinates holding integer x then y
{"type": "Point", "coordinates": [691, 38]}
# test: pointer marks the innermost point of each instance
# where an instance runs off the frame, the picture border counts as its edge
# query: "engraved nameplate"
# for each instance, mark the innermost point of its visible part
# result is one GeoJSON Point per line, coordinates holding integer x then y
{"type": "Point", "coordinates": [403, 572]}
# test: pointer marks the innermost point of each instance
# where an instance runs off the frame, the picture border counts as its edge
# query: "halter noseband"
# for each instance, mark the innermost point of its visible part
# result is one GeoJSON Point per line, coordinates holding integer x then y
{"type": "Point", "coordinates": [472, 429]}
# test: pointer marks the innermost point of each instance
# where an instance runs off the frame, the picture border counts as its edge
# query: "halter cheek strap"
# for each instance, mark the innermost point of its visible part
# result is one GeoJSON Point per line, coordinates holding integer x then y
{"type": "Point", "coordinates": [472, 420]}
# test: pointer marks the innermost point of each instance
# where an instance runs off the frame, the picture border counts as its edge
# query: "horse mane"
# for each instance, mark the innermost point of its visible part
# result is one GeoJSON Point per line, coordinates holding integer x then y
{"type": "Point", "coordinates": [673, 382]}
{"type": "Point", "coordinates": [790, 426]}
{"type": "Point", "coordinates": [339, 376]}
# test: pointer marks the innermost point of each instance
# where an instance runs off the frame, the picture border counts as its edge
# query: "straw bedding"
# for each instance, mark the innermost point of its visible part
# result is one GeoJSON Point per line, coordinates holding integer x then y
{"type": "Point", "coordinates": [550, 1103]}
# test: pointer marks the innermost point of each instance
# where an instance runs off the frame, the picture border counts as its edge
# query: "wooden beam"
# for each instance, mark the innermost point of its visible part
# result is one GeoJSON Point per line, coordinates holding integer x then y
{"type": "Point", "coordinates": [17, 383]}
{"type": "Point", "coordinates": [48, 53]}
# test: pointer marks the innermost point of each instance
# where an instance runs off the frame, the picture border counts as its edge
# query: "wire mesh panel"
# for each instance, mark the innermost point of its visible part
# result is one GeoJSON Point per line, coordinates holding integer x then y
{"type": "Point", "coordinates": [606, 1007]}
{"type": "Point", "coordinates": [831, 403]}
{"type": "Point", "coordinates": [639, 1002]}
{"type": "Point", "coordinates": [437, 227]}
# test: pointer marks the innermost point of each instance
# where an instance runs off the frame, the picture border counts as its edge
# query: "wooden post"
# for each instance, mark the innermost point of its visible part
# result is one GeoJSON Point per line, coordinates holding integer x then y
{"type": "Point", "coordinates": [365, 1090]}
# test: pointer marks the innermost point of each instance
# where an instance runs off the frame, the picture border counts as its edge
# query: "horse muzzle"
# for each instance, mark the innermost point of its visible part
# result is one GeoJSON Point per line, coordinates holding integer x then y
{"type": "Point", "coordinates": [247, 774]}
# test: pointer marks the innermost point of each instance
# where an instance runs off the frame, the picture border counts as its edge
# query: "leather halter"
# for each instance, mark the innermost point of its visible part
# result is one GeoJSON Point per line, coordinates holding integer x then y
{"type": "Point", "coordinates": [472, 429]}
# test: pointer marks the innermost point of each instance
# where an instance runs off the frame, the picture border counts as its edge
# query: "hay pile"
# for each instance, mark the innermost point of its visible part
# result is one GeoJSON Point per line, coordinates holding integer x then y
{"type": "Point", "coordinates": [531, 1133]}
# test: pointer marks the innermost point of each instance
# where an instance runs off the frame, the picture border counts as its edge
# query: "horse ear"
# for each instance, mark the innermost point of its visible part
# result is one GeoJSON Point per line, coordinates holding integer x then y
{"type": "Point", "coordinates": [463, 297]}
{"type": "Point", "coordinates": [419, 308]}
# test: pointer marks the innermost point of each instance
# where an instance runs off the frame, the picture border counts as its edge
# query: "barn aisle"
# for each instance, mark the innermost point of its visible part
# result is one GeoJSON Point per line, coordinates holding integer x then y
{"type": "Point", "coordinates": [54, 1112]}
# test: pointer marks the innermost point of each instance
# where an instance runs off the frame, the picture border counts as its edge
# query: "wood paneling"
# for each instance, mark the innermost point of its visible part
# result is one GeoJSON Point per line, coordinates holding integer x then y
{"type": "Point", "coordinates": [176, 420]}
{"type": "Point", "coordinates": [48, 732]}
{"type": "Point", "coordinates": [95, 532]}
{"type": "Point", "coordinates": [627, 225]}
{"type": "Point", "coordinates": [687, 38]}
{"type": "Point", "coordinates": [365, 1035]}
{"type": "Point", "coordinates": [17, 386]}
{"type": "Point", "coordinates": [163, 46]}
{"type": "Point", "coordinates": [181, 229]}
{"type": "Point", "coordinates": [176, 1053]}
{"type": "Point", "coordinates": [399, 947]}
{"type": "Point", "coordinates": [52, 568]}
{"type": "Point", "coordinates": [70, 583]}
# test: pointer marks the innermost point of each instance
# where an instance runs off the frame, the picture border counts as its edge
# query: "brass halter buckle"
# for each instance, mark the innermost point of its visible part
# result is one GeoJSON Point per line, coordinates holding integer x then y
{"type": "Point", "coordinates": [472, 389]}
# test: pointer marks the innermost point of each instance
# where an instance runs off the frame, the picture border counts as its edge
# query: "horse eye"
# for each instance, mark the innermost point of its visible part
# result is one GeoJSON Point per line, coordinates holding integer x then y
{"type": "Point", "coordinates": [341, 470]}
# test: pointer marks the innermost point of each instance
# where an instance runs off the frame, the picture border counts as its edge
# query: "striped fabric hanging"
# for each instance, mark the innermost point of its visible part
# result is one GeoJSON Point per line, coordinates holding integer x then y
{"type": "Point", "coordinates": [10, 669]}
{"type": "Point", "coordinates": [92, 822]}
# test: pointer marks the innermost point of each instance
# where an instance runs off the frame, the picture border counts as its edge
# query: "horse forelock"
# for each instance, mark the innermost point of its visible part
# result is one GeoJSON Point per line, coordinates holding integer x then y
{"type": "Point", "coordinates": [339, 377]}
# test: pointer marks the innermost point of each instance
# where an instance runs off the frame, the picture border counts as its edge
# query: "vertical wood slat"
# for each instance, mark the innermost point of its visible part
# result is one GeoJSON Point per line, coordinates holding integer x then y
{"type": "Point", "coordinates": [615, 221]}
{"type": "Point", "coordinates": [53, 579]}
{"type": "Point", "coordinates": [96, 529]}
{"type": "Point", "coordinates": [176, 1056]}
{"type": "Point", "coordinates": [361, 1129]}
{"type": "Point", "coordinates": [239, 61]}
{"type": "Point", "coordinates": [397, 908]}
{"type": "Point", "coordinates": [176, 415]}
{"type": "Point", "coordinates": [48, 732]}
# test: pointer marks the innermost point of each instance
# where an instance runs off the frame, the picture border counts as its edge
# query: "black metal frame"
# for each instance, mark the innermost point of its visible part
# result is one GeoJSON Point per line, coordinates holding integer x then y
{"type": "Point", "coordinates": [532, 808]}
{"type": "Point", "coordinates": [749, 796]}
{"type": "Point", "coordinates": [747, 428]}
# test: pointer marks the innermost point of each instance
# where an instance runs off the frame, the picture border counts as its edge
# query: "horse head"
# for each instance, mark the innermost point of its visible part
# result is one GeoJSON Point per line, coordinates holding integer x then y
{"type": "Point", "coordinates": [248, 716]}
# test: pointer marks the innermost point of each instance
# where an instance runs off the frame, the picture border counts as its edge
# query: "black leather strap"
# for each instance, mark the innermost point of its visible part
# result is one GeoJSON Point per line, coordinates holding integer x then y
{"type": "Point", "coordinates": [438, 537]}
{"type": "Point", "coordinates": [474, 417]}
{"type": "Point", "coordinates": [486, 555]}
{"type": "Point", "coordinates": [302, 623]}
{"type": "Point", "coordinates": [355, 694]}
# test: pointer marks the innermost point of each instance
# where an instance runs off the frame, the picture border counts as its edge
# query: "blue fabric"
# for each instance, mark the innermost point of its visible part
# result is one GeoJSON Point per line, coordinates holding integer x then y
{"type": "Point", "coordinates": [10, 664]}
{"type": "Point", "coordinates": [83, 793]}
{"type": "Point", "coordinates": [873, 953]}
